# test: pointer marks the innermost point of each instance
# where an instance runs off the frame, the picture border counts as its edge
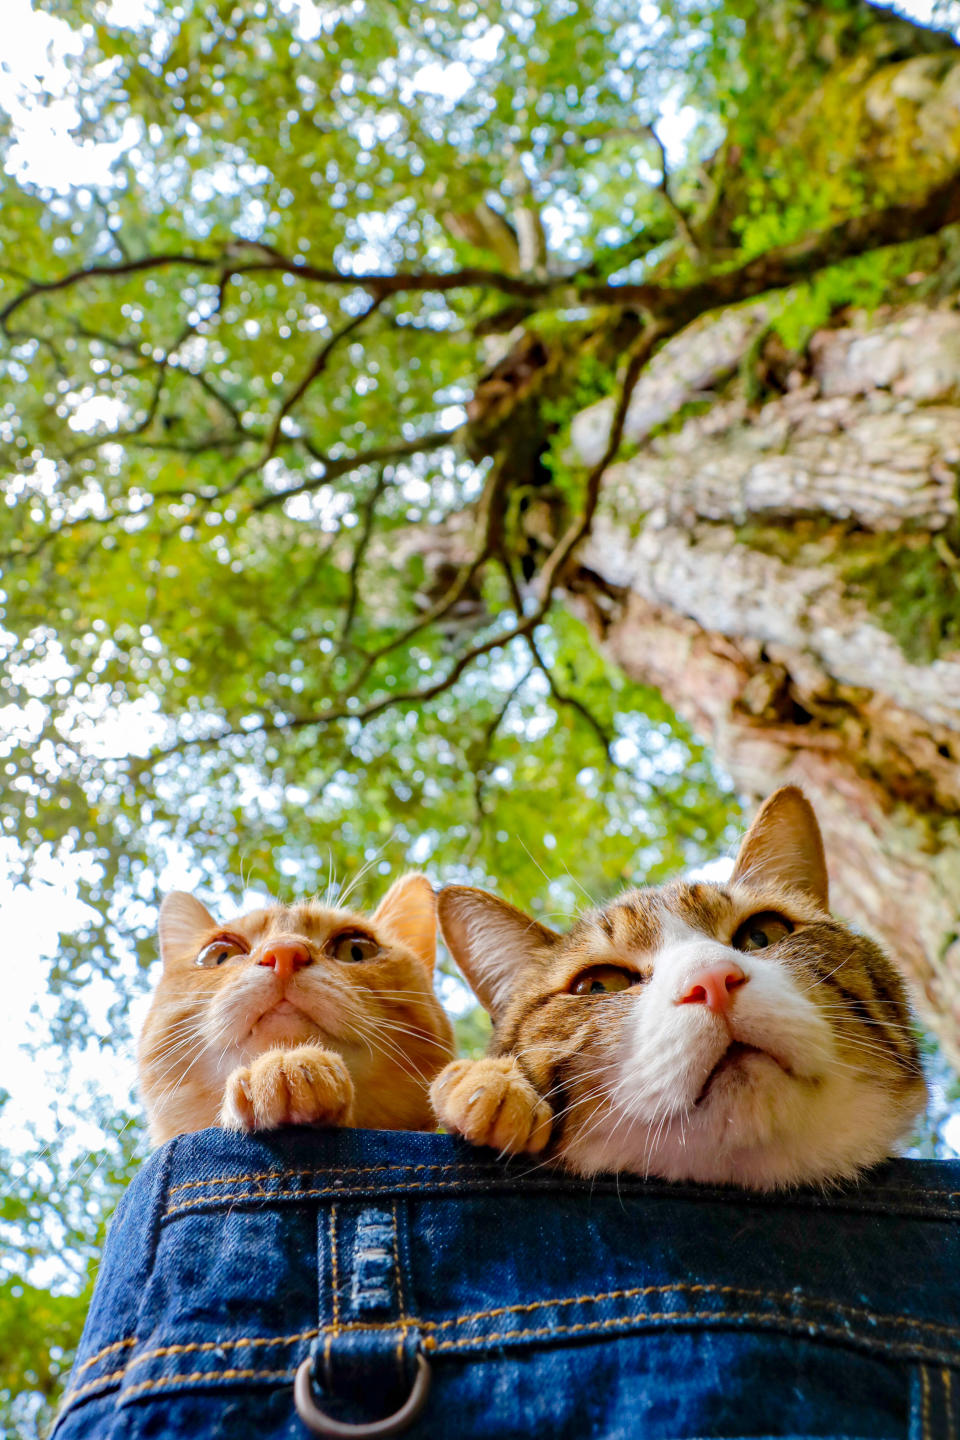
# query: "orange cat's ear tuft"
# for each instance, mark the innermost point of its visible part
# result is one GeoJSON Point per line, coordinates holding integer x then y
{"type": "Point", "coordinates": [490, 940]}
{"type": "Point", "coordinates": [408, 911]}
{"type": "Point", "coordinates": [184, 925]}
{"type": "Point", "coordinates": [784, 847]}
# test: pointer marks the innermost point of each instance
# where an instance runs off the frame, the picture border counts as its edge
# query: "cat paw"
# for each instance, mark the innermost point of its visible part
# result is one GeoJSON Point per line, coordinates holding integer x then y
{"type": "Point", "coordinates": [489, 1102]}
{"type": "Point", "coordinates": [304, 1086]}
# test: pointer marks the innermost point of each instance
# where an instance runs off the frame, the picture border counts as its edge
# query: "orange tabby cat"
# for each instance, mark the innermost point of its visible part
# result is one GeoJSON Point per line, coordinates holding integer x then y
{"type": "Point", "coordinates": [729, 1033]}
{"type": "Point", "coordinates": [295, 1015]}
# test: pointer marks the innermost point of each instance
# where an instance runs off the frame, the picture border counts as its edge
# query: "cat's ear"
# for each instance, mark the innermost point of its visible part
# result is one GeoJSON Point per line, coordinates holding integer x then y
{"type": "Point", "coordinates": [408, 911]}
{"type": "Point", "coordinates": [783, 847]}
{"type": "Point", "coordinates": [184, 924]}
{"type": "Point", "coordinates": [490, 940]}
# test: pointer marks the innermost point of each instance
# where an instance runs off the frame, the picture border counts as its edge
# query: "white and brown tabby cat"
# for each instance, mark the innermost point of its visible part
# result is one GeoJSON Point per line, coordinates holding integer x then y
{"type": "Point", "coordinates": [295, 1015]}
{"type": "Point", "coordinates": [726, 1033]}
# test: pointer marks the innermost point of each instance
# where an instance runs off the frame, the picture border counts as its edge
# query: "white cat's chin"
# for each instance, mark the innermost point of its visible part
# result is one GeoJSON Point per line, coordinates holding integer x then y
{"type": "Point", "coordinates": [757, 1127]}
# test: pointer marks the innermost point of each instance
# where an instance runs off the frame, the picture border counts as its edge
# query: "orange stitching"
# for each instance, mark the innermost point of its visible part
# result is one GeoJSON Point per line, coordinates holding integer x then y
{"type": "Point", "coordinates": [327, 1170]}
{"type": "Point", "coordinates": [476, 1341]}
{"type": "Point", "coordinates": [925, 1407]}
{"type": "Point", "coordinates": [334, 1288]}
{"type": "Point", "coordinates": [790, 1299]}
{"type": "Point", "coordinates": [282, 1195]}
{"type": "Point", "coordinates": [334, 1269]}
{"type": "Point", "coordinates": [327, 1190]}
{"type": "Point", "coordinates": [208, 1375]}
{"type": "Point", "coordinates": [345, 1326]}
{"type": "Point", "coordinates": [636, 1187]}
{"type": "Point", "coordinates": [107, 1350]}
{"type": "Point", "coordinates": [248, 1341]}
{"type": "Point", "coordinates": [92, 1385]}
{"type": "Point", "coordinates": [948, 1401]}
{"type": "Point", "coordinates": [620, 1321]}
{"type": "Point", "coordinates": [198, 1345]}
{"type": "Point", "coordinates": [434, 1325]}
{"type": "Point", "coordinates": [396, 1266]}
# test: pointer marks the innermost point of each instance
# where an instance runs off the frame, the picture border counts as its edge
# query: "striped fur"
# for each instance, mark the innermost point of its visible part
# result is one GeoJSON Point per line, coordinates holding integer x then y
{"type": "Point", "coordinates": [824, 1075]}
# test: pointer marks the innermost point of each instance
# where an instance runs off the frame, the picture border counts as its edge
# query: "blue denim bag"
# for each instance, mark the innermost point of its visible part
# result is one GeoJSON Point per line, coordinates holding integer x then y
{"type": "Point", "coordinates": [411, 1273]}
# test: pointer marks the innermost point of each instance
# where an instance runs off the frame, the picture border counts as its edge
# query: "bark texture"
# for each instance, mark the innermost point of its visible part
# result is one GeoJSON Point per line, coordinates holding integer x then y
{"type": "Point", "coordinates": [789, 578]}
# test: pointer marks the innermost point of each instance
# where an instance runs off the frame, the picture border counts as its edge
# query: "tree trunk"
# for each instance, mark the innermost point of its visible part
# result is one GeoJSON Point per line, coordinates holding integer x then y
{"type": "Point", "coordinates": [789, 578]}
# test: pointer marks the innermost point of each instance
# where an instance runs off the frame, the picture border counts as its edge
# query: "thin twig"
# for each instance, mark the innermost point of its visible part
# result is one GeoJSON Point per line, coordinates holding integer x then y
{"type": "Point", "coordinates": [356, 562]}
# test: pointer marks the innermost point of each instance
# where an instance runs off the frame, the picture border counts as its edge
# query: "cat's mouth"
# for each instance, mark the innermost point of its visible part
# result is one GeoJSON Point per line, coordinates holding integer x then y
{"type": "Point", "coordinates": [732, 1059]}
{"type": "Point", "coordinates": [284, 1007]}
{"type": "Point", "coordinates": [284, 1013]}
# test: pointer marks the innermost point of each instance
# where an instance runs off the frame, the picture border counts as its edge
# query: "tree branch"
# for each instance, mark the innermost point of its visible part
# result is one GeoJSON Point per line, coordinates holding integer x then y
{"type": "Point", "coordinates": [549, 578]}
{"type": "Point", "coordinates": [774, 270]}
{"type": "Point", "coordinates": [356, 562]}
{"type": "Point", "coordinates": [663, 188]}
{"type": "Point", "coordinates": [317, 367]}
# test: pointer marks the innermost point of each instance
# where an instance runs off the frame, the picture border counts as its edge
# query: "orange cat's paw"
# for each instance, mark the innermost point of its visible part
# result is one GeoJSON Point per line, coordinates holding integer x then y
{"type": "Point", "coordinates": [304, 1086]}
{"type": "Point", "coordinates": [489, 1102]}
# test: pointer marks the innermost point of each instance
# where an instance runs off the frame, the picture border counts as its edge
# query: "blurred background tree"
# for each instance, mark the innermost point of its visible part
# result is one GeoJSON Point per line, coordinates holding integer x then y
{"type": "Point", "coordinates": [440, 435]}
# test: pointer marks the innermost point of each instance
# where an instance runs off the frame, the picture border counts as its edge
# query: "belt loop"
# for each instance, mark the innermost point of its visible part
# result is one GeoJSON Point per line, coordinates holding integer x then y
{"type": "Point", "coordinates": [366, 1365]}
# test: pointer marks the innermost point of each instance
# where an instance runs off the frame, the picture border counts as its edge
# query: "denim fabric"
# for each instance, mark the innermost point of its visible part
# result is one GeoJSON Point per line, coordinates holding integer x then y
{"type": "Point", "coordinates": [545, 1306]}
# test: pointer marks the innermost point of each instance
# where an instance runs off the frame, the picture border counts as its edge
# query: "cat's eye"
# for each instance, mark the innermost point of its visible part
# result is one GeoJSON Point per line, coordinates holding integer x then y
{"type": "Point", "coordinates": [219, 951]}
{"type": "Point", "coordinates": [353, 947]}
{"type": "Point", "coordinates": [604, 980]}
{"type": "Point", "coordinates": [761, 931]}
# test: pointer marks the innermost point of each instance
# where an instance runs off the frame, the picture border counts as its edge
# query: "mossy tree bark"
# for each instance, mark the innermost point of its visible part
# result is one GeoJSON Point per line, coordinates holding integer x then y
{"type": "Point", "coordinates": [788, 575]}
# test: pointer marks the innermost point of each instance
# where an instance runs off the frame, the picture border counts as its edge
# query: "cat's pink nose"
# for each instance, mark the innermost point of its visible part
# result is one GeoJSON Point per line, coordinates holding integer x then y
{"type": "Point", "coordinates": [286, 957]}
{"type": "Point", "coordinates": [714, 986]}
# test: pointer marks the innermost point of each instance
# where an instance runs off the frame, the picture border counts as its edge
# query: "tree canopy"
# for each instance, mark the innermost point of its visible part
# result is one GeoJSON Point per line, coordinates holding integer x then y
{"type": "Point", "coordinates": [290, 496]}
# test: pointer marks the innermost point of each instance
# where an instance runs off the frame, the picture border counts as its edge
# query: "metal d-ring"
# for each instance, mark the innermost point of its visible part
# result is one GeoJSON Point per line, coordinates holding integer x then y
{"type": "Point", "coordinates": [322, 1424]}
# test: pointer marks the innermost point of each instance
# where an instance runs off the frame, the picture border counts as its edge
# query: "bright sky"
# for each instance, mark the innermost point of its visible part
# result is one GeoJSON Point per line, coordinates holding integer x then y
{"type": "Point", "coordinates": [47, 152]}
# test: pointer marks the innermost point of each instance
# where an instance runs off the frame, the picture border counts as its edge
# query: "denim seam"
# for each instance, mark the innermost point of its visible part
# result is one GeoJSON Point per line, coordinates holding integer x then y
{"type": "Point", "coordinates": [429, 1342]}
{"type": "Point", "coordinates": [193, 1347]}
{"type": "Point", "coordinates": [107, 1350]}
{"type": "Point", "coordinates": [784, 1321]}
{"type": "Point", "coordinates": [399, 1275]}
{"type": "Point", "coordinates": [555, 1332]}
{"type": "Point", "coordinates": [337, 1327]}
{"type": "Point", "coordinates": [399, 1186]}
{"type": "Point", "coordinates": [925, 1405]}
{"type": "Point", "coordinates": [292, 1195]}
{"type": "Point", "coordinates": [539, 1305]}
{"type": "Point", "coordinates": [791, 1299]}
{"type": "Point", "coordinates": [482, 1170]}
{"type": "Point", "coordinates": [313, 1170]}
{"type": "Point", "coordinates": [334, 1290]}
{"type": "Point", "coordinates": [206, 1375]}
{"type": "Point", "coordinates": [948, 1400]}
{"type": "Point", "coordinates": [73, 1395]}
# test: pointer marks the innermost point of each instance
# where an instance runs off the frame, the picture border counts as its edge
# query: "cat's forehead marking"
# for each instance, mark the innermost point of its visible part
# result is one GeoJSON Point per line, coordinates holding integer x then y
{"type": "Point", "coordinates": [645, 921]}
{"type": "Point", "coordinates": [632, 922]}
{"type": "Point", "coordinates": [704, 906]}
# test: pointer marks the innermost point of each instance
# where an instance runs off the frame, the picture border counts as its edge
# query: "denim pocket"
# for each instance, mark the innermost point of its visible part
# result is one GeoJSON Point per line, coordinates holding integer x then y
{"type": "Point", "coordinates": [541, 1304]}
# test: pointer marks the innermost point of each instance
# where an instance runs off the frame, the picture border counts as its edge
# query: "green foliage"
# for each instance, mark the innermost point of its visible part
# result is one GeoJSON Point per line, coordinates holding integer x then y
{"type": "Point", "coordinates": [914, 591]}
{"type": "Point", "coordinates": [862, 284]}
{"type": "Point", "coordinates": [39, 1331]}
{"type": "Point", "coordinates": [55, 1202]}
{"type": "Point", "coordinates": [910, 585]}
